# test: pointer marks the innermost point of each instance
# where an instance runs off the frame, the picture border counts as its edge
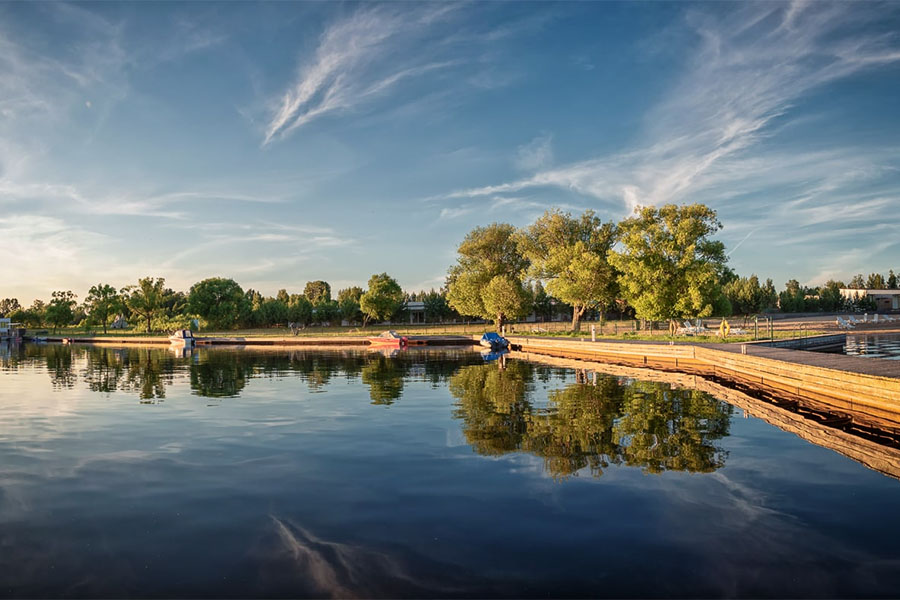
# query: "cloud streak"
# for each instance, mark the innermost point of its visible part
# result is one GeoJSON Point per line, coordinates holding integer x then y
{"type": "Point", "coordinates": [358, 58]}
{"type": "Point", "coordinates": [738, 89]}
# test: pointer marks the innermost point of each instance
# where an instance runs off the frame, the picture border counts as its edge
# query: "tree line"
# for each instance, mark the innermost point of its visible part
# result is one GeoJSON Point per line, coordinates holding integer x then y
{"type": "Point", "coordinates": [216, 302]}
{"type": "Point", "coordinates": [660, 264]}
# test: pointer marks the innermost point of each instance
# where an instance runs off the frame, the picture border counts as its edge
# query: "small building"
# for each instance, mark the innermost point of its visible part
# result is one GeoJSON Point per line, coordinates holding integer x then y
{"type": "Point", "coordinates": [5, 328]}
{"type": "Point", "coordinates": [885, 300]}
{"type": "Point", "coordinates": [416, 311]}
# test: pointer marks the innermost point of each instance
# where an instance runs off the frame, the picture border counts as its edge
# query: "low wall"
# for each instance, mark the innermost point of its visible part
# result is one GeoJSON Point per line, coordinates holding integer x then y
{"type": "Point", "coordinates": [813, 342]}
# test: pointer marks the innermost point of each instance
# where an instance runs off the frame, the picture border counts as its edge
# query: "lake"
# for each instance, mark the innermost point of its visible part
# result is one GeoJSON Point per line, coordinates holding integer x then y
{"type": "Point", "coordinates": [238, 473]}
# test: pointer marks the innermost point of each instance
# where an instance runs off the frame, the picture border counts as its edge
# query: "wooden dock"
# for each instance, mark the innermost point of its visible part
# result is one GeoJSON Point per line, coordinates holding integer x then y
{"type": "Point", "coordinates": [864, 390]}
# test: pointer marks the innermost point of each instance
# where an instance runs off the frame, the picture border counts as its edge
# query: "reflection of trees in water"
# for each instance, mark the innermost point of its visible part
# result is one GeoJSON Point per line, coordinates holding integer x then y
{"type": "Point", "coordinates": [144, 371]}
{"type": "Point", "coordinates": [664, 429]}
{"type": "Point", "coordinates": [223, 372]}
{"type": "Point", "coordinates": [59, 366]}
{"type": "Point", "coordinates": [493, 405]}
{"type": "Point", "coordinates": [220, 374]}
{"type": "Point", "coordinates": [104, 368]}
{"type": "Point", "coordinates": [592, 424]}
{"type": "Point", "coordinates": [384, 376]}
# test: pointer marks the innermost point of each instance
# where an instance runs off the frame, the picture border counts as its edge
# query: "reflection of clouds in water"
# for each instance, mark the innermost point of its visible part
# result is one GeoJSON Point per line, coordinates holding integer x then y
{"type": "Point", "coordinates": [299, 563]}
{"type": "Point", "coordinates": [762, 550]}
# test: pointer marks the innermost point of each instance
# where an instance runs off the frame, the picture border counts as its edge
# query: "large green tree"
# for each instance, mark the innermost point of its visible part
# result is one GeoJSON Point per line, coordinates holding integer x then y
{"type": "Point", "coordinates": [299, 309]}
{"type": "Point", "coordinates": [571, 255]}
{"type": "Point", "coordinates": [348, 303]}
{"type": "Point", "coordinates": [487, 253]}
{"type": "Point", "coordinates": [103, 301]}
{"type": "Point", "coordinates": [61, 309]}
{"type": "Point", "coordinates": [317, 292]}
{"type": "Point", "coordinates": [220, 301]}
{"type": "Point", "coordinates": [146, 298]}
{"type": "Point", "coordinates": [382, 299]}
{"type": "Point", "coordinates": [670, 267]}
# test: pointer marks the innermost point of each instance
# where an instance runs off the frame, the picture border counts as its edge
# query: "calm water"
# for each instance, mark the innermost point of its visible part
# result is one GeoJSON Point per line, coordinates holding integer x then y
{"type": "Point", "coordinates": [237, 473]}
{"type": "Point", "coordinates": [874, 346]}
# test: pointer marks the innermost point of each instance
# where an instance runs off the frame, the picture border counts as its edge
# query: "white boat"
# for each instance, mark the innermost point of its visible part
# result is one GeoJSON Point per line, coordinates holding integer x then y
{"type": "Point", "coordinates": [182, 337]}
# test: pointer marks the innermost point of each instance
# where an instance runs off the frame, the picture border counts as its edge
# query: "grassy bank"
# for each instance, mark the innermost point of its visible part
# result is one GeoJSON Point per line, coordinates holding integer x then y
{"type": "Point", "coordinates": [611, 330]}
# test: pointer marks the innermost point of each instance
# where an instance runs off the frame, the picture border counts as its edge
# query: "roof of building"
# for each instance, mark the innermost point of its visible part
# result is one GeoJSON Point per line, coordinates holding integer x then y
{"type": "Point", "coordinates": [869, 292]}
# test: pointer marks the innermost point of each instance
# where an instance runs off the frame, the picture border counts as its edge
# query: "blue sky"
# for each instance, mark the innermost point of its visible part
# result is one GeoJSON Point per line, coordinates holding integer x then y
{"type": "Point", "coordinates": [285, 142]}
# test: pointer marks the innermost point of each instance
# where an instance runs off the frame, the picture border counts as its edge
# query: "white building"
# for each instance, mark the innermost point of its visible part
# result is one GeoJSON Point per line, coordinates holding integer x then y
{"type": "Point", "coordinates": [885, 300]}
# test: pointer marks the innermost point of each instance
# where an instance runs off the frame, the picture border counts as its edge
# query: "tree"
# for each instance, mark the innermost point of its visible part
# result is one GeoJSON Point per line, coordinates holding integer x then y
{"type": "Point", "coordinates": [382, 299]}
{"type": "Point", "coordinates": [875, 281]}
{"type": "Point", "coordinates": [506, 298]}
{"type": "Point", "coordinates": [36, 314]}
{"type": "Point", "coordinates": [436, 308]}
{"type": "Point", "coordinates": [271, 311]}
{"type": "Point", "coordinates": [283, 296]}
{"type": "Point", "coordinates": [317, 292]}
{"type": "Point", "coordinates": [61, 309]}
{"type": "Point", "coordinates": [326, 311]}
{"type": "Point", "coordinates": [892, 280]}
{"type": "Point", "coordinates": [858, 282]}
{"type": "Point", "coordinates": [571, 255]}
{"type": "Point", "coordinates": [542, 303]}
{"type": "Point", "coordinates": [348, 303]}
{"type": "Point", "coordinates": [220, 301]}
{"type": "Point", "coordinates": [485, 253]}
{"type": "Point", "coordinates": [745, 295]}
{"type": "Point", "coordinates": [830, 298]}
{"type": "Point", "coordinates": [146, 298]}
{"type": "Point", "coordinates": [11, 305]}
{"type": "Point", "coordinates": [103, 301]}
{"type": "Point", "coordinates": [670, 268]}
{"type": "Point", "coordinates": [299, 309]}
{"type": "Point", "coordinates": [791, 299]}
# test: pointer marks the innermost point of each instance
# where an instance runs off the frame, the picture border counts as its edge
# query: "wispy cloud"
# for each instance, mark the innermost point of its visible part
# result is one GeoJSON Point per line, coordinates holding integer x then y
{"type": "Point", "coordinates": [749, 69]}
{"type": "Point", "coordinates": [357, 58]}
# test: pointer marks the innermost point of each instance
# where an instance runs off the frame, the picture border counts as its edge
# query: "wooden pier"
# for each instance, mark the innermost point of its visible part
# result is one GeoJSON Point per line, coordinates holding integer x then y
{"type": "Point", "coordinates": [864, 390]}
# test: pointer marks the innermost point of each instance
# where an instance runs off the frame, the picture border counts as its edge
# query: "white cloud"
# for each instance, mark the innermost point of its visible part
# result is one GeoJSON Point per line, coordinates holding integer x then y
{"type": "Point", "coordinates": [740, 85]}
{"type": "Point", "coordinates": [356, 59]}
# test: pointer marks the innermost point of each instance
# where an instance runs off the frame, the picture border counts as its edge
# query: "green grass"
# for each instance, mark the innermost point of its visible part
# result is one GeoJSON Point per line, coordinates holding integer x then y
{"type": "Point", "coordinates": [665, 337]}
{"type": "Point", "coordinates": [610, 331]}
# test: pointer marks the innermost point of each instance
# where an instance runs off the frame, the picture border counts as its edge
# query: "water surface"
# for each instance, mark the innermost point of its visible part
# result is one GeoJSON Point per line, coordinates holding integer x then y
{"type": "Point", "coordinates": [240, 473]}
{"type": "Point", "coordinates": [885, 345]}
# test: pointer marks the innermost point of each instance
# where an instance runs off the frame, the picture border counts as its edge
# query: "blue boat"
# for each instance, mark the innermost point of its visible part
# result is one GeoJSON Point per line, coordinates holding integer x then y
{"type": "Point", "coordinates": [494, 341]}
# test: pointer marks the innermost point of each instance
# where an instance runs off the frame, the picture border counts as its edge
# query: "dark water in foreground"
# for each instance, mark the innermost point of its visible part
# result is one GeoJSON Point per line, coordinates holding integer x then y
{"type": "Point", "coordinates": [134, 472]}
{"type": "Point", "coordinates": [874, 346]}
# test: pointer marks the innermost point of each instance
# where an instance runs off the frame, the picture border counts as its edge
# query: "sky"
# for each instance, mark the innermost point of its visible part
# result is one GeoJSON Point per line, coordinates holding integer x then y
{"type": "Point", "coordinates": [278, 143]}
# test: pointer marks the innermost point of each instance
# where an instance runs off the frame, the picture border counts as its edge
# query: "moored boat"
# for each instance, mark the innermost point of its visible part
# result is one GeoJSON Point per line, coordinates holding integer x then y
{"type": "Point", "coordinates": [182, 337]}
{"type": "Point", "coordinates": [494, 341]}
{"type": "Point", "coordinates": [389, 339]}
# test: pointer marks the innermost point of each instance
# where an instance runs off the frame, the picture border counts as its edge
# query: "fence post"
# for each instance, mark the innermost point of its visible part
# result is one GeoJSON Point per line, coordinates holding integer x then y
{"type": "Point", "coordinates": [593, 333]}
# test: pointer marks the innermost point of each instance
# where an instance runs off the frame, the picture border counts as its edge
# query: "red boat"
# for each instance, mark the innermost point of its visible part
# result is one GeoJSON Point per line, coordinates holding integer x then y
{"type": "Point", "coordinates": [388, 339]}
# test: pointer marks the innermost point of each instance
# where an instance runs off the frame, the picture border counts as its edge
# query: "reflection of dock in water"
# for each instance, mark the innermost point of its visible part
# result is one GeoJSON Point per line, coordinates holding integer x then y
{"type": "Point", "coordinates": [876, 448]}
